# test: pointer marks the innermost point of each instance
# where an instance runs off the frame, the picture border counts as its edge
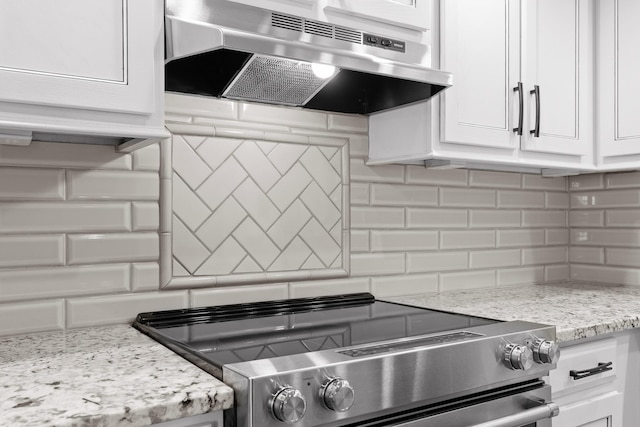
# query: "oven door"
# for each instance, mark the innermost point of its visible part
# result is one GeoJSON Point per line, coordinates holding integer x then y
{"type": "Point", "coordinates": [516, 406]}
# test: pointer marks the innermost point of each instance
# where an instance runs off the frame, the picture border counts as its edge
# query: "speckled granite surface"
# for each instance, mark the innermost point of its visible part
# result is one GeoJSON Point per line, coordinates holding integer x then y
{"type": "Point", "coordinates": [578, 310]}
{"type": "Point", "coordinates": [103, 376]}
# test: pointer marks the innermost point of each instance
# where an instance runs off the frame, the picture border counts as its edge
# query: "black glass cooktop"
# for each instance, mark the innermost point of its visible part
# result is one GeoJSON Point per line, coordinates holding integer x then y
{"type": "Point", "coordinates": [245, 332]}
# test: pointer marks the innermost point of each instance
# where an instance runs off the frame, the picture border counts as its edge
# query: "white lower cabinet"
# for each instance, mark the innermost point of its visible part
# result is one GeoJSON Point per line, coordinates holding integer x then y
{"type": "Point", "coordinates": [212, 419]}
{"type": "Point", "coordinates": [609, 396]}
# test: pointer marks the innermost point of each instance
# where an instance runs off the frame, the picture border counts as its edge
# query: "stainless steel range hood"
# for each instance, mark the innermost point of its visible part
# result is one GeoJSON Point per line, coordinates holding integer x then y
{"type": "Point", "coordinates": [225, 49]}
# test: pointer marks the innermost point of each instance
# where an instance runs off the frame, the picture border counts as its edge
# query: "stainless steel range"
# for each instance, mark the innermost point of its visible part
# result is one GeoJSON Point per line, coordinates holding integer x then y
{"type": "Point", "coordinates": [352, 360]}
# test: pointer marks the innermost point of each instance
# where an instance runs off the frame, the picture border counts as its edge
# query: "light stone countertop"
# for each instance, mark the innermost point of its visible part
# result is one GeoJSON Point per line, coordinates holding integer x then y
{"type": "Point", "coordinates": [578, 310]}
{"type": "Point", "coordinates": [98, 377]}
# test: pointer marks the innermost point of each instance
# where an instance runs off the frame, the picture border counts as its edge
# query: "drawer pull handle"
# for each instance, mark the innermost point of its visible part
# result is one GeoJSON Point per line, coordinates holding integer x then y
{"type": "Point", "coordinates": [602, 367]}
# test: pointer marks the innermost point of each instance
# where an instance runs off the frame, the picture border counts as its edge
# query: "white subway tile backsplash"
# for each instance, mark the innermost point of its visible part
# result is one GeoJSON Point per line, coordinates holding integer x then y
{"type": "Point", "coordinates": [348, 123]}
{"type": "Point", "coordinates": [283, 116]}
{"type": "Point", "coordinates": [31, 184]}
{"type": "Point", "coordinates": [387, 173]}
{"type": "Point", "coordinates": [448, 177]}
{"type": "Point", "coordinates": [520, 276]}
{"type": "Point", "coordinates": [606, 237]}
{"type": "Point", "coordinates": [145, 216]}
{"type": "Point", "coordinates": [360, 241]}
{"type": "Point", "coordinates": [103, 310]}
{"type": "Point", "coordinates": [42, 217]}
{"type": "Point", "coordinates": [493, 179]}
{"type": "Point", "coordinates": [602, 274]}
{"type": "Point", "coordinates": [31, 250]}
{"type": "Point", "coordinates": [622, 218]}
{"type": "Point", "coordinates": [28, 317]}
{"type": "Point", "coordinates": [377, 217]}
{"type": "Point", "coordinates": [54, 154]}
{"type": "Point", "coordinates": [586, 218]}
{"type": "Point", "coordinates": [145, 276]}
{"type": "Point", "coordinates": [623, 180]}
{"type": "Point", "coordinates": [467, 280]}
{"type": "Point", "coordinates": [626, 257]}
{"type": "Point", "coordinates": [436, 218]}
{"type": "Point", "coordinates": [494, 258]}
{"type": "Point", "coordinates": [548, 255]}
{"type": "Point", "coordinates": [467, 239]}
{"type": "Point", "coordinates": [403, 240]}
{"type": "Point", "coordinates": [586, 182]}
{"type": "Point", "coordinates": [189, 165]}
{"type": "Point", "coordinates": [403, 195]}
{"type": "Point", "coordinates": [101, 185]}
{"type": "Point", "coordinates": [186, 248]}
{"type": "Point", "coordinates": [377, 264]}
{"type": "Point", "coordinates": [539, 182]}
{"type": "Point", "coordinates": [495, 218]}
{"type": "Point", "coordinates": [556, 200]}
{"type": "Point", "coordinates": [425, 262]}
{"type": "Point", "coordinates": [461, 197]}
{"type": "Point", "coordinates": [147, 158]}
{"type": "Point", "coordinates": [390, 286]}
{"type": "Point", "coordinates": [582, 255]}
{"type": "Point", "coordinates": [112, 248]}
{"type": "Point", "coordinates": [520, 199]}
{"type": "Point", "coordinates": [557, 236]}
{"type": "Point", "coordinates": [317, 288]}
{"type": "Point", "coordinates": [238, 294]}
{"type": "Point", "coordinates": [519, 238]}
{"type": "Point", "coordinates": [359, 193]}
{"type": "Point", "coordinates": [35, 283]}
{"type": "Point", "coordinates": [544, 218]}
{"type": "Point", "coordinates": [606, 199]}
{"type": "Point", "coordinates": [358, 146]}
{"type": "Point", "coordinates": [558, 272]}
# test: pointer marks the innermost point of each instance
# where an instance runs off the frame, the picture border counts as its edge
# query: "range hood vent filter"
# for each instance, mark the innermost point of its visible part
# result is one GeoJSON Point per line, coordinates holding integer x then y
{"type": "Point", "coordinates": [276, 81]}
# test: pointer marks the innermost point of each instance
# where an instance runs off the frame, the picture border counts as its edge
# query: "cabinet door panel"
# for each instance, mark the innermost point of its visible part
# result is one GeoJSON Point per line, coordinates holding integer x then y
{"type": "Point", "coordinates": [618, 67]}
{"type": "Point", "coordinates": [79, 54]}
{"type": "Point", "coordinates": [480, 46]}
{"type": "Point", "coordinates": [602, 411]}
{"type": "Point", "coordinates": [72, 38]}
{"type": "Point", "coordinates": [556, 56]}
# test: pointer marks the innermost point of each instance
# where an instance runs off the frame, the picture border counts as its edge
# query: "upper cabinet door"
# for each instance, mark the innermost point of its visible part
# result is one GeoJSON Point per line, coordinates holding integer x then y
{"type": "Point", "coordinates": [480, 46]}
{"type": "Point", "coordinates": [618, 68]}
{"type": "Point", "coordinates": [414, 14]}
{"type": "Point", "coordinates": [92, 55]}
{"type": "Point", "coordinates": [557, 46]}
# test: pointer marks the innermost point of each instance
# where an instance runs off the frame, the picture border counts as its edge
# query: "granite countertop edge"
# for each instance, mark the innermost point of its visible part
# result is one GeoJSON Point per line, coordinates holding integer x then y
{"type": "Point", "coordinates": [101, 377]}
{"type": "Point", "coordinates": [578, 310]}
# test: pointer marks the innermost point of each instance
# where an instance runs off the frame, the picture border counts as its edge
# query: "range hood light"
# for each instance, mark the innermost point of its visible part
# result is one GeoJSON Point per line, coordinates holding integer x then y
{"type": "Point", "coordinates": [323, 71]}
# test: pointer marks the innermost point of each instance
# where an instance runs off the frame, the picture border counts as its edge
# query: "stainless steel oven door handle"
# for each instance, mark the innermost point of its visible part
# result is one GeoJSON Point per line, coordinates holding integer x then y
{"type": "Point", "coordinates": [538, 413]}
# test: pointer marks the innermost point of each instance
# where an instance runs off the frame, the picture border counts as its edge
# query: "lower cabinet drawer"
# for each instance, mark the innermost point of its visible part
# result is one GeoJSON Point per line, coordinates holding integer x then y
{"type": "Point", "coordinates": [584, 365]}
{"type": "Point", "coordinates": [600, 411]}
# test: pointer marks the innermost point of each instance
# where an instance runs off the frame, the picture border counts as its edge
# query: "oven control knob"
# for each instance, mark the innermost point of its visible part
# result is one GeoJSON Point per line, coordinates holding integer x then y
{"type": "Point", "coordinates": [337, 394]}
{"type": "Point", "coordinates": [518, 357]}
{"type": "Point", "coordinates": [288, 405]}
{"type": "Point", "coordinates": [545, 351]}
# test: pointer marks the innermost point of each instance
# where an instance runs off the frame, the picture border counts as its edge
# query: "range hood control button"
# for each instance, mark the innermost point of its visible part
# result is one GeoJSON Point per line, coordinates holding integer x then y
{"type": "Point", "coordinates": [337, 394]}
{"type": "Point", "coordinates": [545, 351]}
{"type": "Point", "coordinates": [288, 405]}
{"type": "Point", "coordinates": [518, 357]}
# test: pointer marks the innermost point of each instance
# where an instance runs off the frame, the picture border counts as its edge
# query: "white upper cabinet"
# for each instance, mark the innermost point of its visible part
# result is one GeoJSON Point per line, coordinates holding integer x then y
{"type": "Point", "coordinates": [82, 67]}
{"type": "Point", "coordinates": [522, 74]}
{"type": "Point", "coordinates": [557, 58]}
{"type": "Point", "coordinates": [617, 70]}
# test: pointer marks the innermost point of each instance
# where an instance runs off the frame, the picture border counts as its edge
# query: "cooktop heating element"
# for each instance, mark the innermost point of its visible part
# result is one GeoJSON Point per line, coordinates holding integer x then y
{"type": "Point", "coordinates": [354, 360]}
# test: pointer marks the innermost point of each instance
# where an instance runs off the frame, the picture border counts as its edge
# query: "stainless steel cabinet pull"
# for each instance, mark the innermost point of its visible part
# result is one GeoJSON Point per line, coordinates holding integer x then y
{"type": "Point", "coordinates": [536, 130]}
{"type": "Point", "coordinates": [602, 367]}
{"type": "Point", "coordinates": [525, 417]}
{"type": "Point", "coordinates": [519, 89]}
